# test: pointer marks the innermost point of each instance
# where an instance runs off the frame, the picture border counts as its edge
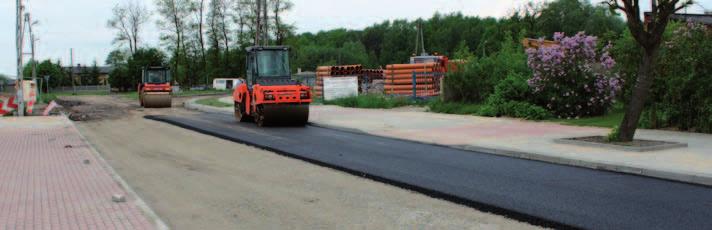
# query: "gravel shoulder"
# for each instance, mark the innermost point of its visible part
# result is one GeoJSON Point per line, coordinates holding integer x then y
{"type": "Point", "coordinates": [194, 181]}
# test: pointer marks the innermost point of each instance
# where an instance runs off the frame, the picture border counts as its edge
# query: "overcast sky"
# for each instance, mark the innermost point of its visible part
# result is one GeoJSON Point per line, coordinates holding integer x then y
{"type": "Point", "coordinates": [81, 24]}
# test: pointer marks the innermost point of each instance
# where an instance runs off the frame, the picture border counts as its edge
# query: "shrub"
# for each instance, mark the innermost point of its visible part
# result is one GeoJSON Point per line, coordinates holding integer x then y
{"type": "Point", "coordinates": [439, 106]}
{"type": "Point", "coordinates": [574, 79]}
{"type": "Point", "coordinates": [681, 90]}
{"type": "Point", "coordinates": [510, 98]}
{"type": "Point", "coordinates": [680, 95]}
{"type": "Point", "coordinates": [613, 135]}
{"type": "Point", "coordinates": [476, 78]}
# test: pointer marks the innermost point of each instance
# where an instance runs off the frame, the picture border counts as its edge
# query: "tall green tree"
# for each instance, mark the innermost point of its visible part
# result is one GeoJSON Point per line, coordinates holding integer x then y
{"type": "Point", "coordinates": [126, 76]}
{"type": "Point", "coordinates": [174, 22]}
{"type": "Point", "coordinates": [649, 35]}
{"type": "Point", "coordinates": [573, 16]}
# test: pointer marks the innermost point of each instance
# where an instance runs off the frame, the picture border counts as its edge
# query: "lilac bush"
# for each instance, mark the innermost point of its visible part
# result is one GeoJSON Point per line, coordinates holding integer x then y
{"type": "Point", "coordinates": [573, 78]}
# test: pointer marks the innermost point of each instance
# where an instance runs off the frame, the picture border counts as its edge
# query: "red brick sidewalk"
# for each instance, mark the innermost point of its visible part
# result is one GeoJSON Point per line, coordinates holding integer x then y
{"type": "Point", "coordinates": [51, 179]}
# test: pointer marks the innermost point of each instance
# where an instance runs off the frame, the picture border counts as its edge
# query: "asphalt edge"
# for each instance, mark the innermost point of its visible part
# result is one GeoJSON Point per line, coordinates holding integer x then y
{"type": "Point", "coordinates": [142, 205]}
{"type": "Point", "coordinates": [522, 217]}
{"type": "Point", "coordinates": [702, 180]}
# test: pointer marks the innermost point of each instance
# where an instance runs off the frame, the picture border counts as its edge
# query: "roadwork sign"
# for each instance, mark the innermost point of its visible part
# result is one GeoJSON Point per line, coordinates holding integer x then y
{"type": "Point", "coordinates": [340, 87]}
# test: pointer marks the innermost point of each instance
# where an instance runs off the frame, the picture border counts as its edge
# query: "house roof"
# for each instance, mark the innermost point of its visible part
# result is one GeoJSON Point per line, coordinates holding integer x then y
{"type": "Point", "coordinates": [80, 69]}
{"type": "Point", "coordinates": [10, 82]}
{"type": "Point", "coordinates": [699, 18]}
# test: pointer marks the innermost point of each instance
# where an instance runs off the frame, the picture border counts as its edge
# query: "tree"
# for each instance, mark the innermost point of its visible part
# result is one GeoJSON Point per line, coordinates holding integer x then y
{"type": "Point", "coordinates": [174, 13]}
{"type": "Point", "coordinates": [116, 57]}
{"type": "Point", "coordinates": [198, 9]}
{"type": "Point", "coordinates": [128, 20]}
{"type": "Point", "coordinates": [648, 36]}
{"type": "Point", "coordinates": [58, 76]}
{"type": "Point", "coordinates": [280, 30]}
{"type": "Point", "coordinates": [573, 16]}
{"type": "Point", "coordinates": [94, 73]}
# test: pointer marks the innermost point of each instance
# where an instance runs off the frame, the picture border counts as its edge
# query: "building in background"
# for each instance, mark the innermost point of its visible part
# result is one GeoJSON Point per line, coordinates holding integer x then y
{"type": "Point", "coordinates": [705, 19]}
{"type": "Point", "coordinates": [226, 83]}
{"type": "Point", "coordinates": [81, 74]}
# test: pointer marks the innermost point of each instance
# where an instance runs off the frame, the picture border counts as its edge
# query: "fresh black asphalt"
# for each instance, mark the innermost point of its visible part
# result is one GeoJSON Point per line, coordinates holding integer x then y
{"type": "Point", "coordinates": [536, 192]}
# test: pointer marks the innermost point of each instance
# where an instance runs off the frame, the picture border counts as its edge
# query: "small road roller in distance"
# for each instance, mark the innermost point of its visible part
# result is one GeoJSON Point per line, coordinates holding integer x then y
{"type": "Point", "coordinates": [155, 90]}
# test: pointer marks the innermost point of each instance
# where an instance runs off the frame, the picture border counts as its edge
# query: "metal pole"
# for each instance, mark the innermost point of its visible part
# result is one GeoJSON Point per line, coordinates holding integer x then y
{"type": "Point", "coordinates": [71, 70]}
{"type": "Point", "coordinates": [18, 83]}
{"type": "Point", "coordinates": [32, 46]}
{"type": "Point", "coordinates": [415, 85]}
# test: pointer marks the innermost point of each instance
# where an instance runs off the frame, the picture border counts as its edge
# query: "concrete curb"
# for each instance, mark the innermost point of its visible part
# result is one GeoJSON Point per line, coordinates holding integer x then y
{"type": "Point", "coordinates": [192, 105]}
{"type": "Point", "coordinates": [147, 210]}
{"type": "Point", "coordinates": [665, 146]}
{"type": "Point", "coordinates": [705, 180]}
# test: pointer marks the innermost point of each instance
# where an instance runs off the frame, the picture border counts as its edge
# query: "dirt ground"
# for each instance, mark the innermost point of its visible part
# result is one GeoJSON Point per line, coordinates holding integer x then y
{"type": "Point", "coordinates": [194, 181]}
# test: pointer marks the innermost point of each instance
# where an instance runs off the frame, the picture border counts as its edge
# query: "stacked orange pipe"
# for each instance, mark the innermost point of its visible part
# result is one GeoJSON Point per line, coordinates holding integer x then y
{"type": "Point", "coordinates": [399, 79]}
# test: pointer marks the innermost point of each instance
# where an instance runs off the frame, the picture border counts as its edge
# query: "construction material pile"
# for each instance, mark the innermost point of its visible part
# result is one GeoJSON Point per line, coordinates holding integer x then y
{"type": "Point", "coordinates": [399, 79]}
{"type": "Point", "coordinates": [365, 76]}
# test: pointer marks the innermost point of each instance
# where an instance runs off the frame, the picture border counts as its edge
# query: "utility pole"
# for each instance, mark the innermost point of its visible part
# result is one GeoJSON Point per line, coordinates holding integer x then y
{"type": "Point", "coordinates": [32, 47]}
{"type": "Point", "coordinates": [71, 70]}
{"type": "Point", "coordinates": [265, 24]}
{"type": "Point", "coordinates": [19, 43]}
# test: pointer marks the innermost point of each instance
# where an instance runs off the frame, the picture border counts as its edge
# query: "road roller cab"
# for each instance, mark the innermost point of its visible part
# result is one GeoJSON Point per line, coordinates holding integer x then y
{"type": "Point", "coordinates": [269, 96]}
{"type": "Point", "coordinates": [155, 88]}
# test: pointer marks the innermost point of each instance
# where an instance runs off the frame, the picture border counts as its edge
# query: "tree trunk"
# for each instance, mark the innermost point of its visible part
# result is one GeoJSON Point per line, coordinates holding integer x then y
{"type": "Point", "coordinates": [202, 42]}
{"type": "Point", "coordinates": [641, 92]}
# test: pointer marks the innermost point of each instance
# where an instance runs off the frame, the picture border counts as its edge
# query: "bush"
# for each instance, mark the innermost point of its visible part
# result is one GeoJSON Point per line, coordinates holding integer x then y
{"type": "Point", "coordinates": [510, 99]}
{"type": "Point", "coordinates": [574, 79]}
{"type": "Point", "coordinates": [476, 78]}
{"type": "Point", "coordinates": [680, 95]}
{"type": "Point", "coordinates": [682, 88]}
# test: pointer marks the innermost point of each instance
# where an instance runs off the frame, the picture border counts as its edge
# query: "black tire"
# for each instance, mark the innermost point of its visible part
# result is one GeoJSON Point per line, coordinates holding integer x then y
{"type": "Point", "coordinates": [240, 113]}
{"type": "Point", "coordinates": [260, 117]}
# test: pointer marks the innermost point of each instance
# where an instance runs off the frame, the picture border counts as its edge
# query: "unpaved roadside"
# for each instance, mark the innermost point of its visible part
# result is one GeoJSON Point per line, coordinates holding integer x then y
{"type": "Point", "coordinates": [194, 181]}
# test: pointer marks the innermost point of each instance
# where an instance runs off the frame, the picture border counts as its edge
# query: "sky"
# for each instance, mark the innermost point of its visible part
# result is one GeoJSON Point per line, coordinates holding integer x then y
{"type": "Point", "coordinates": [81, 24]}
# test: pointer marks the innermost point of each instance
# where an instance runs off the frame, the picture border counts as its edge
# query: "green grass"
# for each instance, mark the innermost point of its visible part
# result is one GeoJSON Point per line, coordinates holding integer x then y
{"type": "Point", "coordinates": [130, 95]}
{"type": "Point", "coordinates": [437, 106]}
{"type": "Point", "coordinates": [214, 102]}
{"type": "Point", "coordinates": [201, 92]}
{"type": "Point", "coordinates": [184, 93]}
{"type": "Point", "coordinates": [49, 97]}
{"type": "Point", "coordinates": [610, 120]}
{"type": "Point", "coordinates": [372, 101]}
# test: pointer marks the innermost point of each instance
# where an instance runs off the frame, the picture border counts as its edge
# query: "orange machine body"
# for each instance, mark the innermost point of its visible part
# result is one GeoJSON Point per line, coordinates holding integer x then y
{"type": "Point", "coordinates": [271, 95]}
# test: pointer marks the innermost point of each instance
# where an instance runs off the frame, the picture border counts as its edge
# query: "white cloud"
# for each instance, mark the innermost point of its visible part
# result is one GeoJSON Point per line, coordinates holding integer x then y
{"type": "Point", "coordinates": [81, 24]}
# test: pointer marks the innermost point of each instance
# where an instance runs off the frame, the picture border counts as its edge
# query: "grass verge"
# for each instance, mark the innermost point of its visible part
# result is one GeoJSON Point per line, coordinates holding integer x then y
{"type": "Point", "coordinates": [214, 102]}
{"type": "Point", "coordinates": [609, 120]}
{"type": "Point", "coordinates": [372, 101]}
{"type": "Point", "coordinates": [185, 93]}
